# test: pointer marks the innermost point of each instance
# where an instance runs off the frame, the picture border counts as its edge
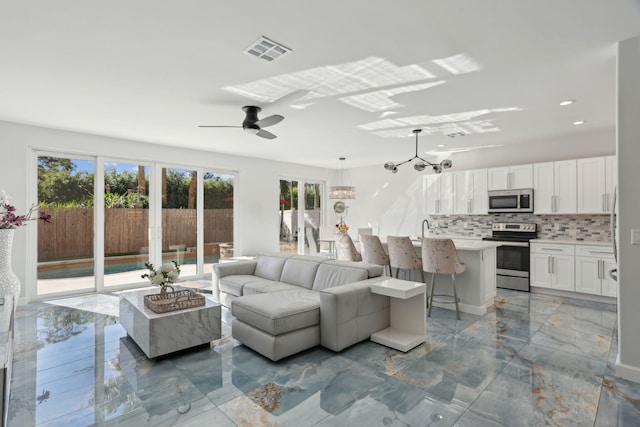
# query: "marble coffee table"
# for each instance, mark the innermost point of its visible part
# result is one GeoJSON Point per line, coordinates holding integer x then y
{"type": "Point", "coordinates": [158, 334]}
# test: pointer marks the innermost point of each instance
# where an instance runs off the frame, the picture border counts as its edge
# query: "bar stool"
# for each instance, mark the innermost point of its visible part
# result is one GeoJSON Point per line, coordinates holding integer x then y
{"type": "Point", "coordinates": [440, 256]}
{"type": "Point", "coordinates": [402, 255]}
{"type": "Point", "coordinates": [373, 251]}
{"type": "Point", "coordinates": [345, 248]}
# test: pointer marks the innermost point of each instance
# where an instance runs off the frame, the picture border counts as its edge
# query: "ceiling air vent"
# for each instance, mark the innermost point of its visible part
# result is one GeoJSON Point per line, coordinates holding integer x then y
{"type": "Point", "coordinates": [267, 49]}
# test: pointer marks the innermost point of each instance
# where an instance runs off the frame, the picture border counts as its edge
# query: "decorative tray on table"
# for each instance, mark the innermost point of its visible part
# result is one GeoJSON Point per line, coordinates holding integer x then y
{"type": "Point", "coordinates": [165, 302]}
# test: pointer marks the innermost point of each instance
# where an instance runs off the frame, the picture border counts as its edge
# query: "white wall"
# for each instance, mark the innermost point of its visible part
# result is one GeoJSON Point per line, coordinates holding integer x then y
{"type": "Point", "coordinates": [628, 144]}
{"type": "Point", "coordinates": [257, 187]}
{"type": "Point", "coordinates": [395, 202]}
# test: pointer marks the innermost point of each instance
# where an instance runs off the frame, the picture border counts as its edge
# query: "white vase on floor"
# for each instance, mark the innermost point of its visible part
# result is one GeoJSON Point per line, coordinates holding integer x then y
{"type": "Point", "coordinates": [9, 282]}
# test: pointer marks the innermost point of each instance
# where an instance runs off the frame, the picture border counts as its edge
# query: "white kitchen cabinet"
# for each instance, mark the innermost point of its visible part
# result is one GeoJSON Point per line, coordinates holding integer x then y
{"type": "Point", "coordinates": [439, 193]}
{"type": "Point", "coordinates": [554, 187]}
{"type": "Point", "coordinates": [553, 266]}
{"type": "Point", "coordinates": [596, 182]}
{"type": "Point", "coordinates": [592, 270]}
{"type": "Point", "coordinates": [508, 177]}
{"type": "Point", "coordinates": [470, 192]}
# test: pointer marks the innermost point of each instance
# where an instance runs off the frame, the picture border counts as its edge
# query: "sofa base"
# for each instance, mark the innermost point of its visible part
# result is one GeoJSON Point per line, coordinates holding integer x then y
{"type": "Point", "coordinates": [275, 347]}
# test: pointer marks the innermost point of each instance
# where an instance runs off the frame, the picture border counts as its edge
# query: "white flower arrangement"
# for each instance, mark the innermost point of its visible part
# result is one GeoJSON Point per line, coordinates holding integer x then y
{"type": "Point", "coordinates": [164, 276]}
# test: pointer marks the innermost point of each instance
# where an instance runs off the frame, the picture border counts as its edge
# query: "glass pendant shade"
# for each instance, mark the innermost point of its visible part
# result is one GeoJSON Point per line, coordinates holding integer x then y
{"type": "Point", "coordinates": [342, 192]}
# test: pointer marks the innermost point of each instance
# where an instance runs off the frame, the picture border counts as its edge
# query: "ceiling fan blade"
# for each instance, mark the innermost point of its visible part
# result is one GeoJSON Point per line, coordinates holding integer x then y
{"type": "Point", "coordinates": [269, 121]}
{"type": "Point", "coordinates": [204, 126]}
{"type": "Point", "coordinates": [266, 134]}
{"type": "Point", "coordinates": [289, 98]}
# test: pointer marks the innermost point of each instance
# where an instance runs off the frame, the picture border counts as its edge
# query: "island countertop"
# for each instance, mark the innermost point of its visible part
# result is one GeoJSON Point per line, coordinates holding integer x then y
{"type": "Point", "coordinates": [464, 244]}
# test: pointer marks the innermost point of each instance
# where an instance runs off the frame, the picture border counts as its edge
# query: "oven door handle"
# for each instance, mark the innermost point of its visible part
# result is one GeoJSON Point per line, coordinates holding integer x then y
{"type": "Point", "coordinates": [519, 244]}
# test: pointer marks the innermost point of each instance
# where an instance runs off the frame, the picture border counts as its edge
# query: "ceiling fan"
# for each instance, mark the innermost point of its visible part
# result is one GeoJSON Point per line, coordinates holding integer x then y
{"type": "Point", "coordinates": [252, 125]}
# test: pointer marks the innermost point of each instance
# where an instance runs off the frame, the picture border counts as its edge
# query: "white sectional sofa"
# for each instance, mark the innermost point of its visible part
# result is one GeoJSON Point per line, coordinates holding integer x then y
{"type": "Point", "coordinates": [283, 303]}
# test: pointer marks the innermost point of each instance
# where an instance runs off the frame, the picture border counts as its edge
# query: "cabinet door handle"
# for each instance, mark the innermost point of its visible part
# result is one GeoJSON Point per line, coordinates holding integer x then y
{"type": "Point", "coordinates": [549, 265]}
{"type": "Point", "coordinates": [601, 252]}
{"type": "Point", "coordinates": [469, 209]}
{"type": "Point", "coordinates": [551, 249]}
{"type": "Point", "coordinates": [606, 205]}
{"type": "Point", "coordinates": [509, 179]}
{"type": "Point", "coordinates": [600, 269]}
{"type": "Point", "coordinates": [603, 202]}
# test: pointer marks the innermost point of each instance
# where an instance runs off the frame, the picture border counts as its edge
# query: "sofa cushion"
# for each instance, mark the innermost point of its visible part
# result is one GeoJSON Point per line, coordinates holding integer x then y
{"type": "Point", "coordinates": [267, 286]}
{"type": "Point", "coordinates": [270, 266]}
{"type": "Point", "coordinates": [301, 270]}
{"type": "Point", "coordinates": [331, 274]}
{"type": "Point", "coordinates": [233, 284]}
{"type": "Point", "coordinates": [373, 270]}
{"type": "Point", "coordinates": [280, 312]}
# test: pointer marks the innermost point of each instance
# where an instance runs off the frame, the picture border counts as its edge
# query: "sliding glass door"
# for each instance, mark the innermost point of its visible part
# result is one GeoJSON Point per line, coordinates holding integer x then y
{"type": "Point", "coordinates": [66, 188]}
{"type": "Point", "coordinates": [146, 213]}
{"type": "Point", "coordinates": [300, 217]}
{"type": "Point", "coordinates": [126, 222]}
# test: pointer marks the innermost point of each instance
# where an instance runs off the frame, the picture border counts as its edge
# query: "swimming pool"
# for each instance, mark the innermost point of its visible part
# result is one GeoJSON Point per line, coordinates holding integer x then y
{"type": "Point", "coordinates": [122, 267]}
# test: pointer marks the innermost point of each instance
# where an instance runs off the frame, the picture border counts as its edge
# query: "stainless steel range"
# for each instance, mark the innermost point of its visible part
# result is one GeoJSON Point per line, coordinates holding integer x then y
{"type": "Point", "coordinates": [513, 256]}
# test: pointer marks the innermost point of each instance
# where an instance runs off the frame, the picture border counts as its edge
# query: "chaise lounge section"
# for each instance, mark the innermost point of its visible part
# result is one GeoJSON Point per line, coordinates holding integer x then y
{"type": "Point", "coordinates": [283, 304]}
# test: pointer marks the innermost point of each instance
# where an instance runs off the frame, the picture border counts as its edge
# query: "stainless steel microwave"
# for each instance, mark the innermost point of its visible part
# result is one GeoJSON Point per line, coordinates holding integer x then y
{"type": "Point", "coordinates": [511, 200]}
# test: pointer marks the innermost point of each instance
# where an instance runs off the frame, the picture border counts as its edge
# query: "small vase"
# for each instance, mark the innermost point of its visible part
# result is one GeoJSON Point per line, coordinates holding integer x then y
{"type": "Point", "coordinates": [9, 282]}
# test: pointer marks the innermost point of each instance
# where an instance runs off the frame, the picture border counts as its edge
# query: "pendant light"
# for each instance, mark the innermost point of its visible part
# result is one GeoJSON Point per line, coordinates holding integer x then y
{"type": "Point", "coordinates": [420, 166]}
{"type": "Point", "coordinates": [342, 191]}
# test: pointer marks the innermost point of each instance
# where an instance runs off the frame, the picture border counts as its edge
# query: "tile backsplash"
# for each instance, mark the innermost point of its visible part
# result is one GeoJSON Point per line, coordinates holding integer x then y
{"type": "Point", "coordinates": [575, 227]}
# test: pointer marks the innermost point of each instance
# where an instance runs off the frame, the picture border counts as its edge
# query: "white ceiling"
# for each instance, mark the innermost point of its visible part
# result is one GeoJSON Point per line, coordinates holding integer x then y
{"type": "Point", "coordinates": [153, 71]}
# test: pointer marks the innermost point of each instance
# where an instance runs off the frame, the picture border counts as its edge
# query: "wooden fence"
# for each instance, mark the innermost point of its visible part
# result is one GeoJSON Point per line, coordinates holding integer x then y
{"type": "Point", "coordinates": [70, 234]}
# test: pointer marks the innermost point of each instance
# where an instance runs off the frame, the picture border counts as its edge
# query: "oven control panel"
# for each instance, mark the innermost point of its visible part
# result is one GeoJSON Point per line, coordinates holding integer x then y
{"type": "Point", "coordinates": [514, 226]}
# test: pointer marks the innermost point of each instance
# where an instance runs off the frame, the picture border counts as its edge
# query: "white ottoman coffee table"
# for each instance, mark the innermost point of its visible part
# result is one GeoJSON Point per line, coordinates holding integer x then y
{"type": "Point", "coordinates": [158, 334]}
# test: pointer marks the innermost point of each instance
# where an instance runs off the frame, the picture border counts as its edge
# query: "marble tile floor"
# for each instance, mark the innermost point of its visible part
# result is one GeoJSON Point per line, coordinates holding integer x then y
{"type": "Point", "coordinates": [532, 360]}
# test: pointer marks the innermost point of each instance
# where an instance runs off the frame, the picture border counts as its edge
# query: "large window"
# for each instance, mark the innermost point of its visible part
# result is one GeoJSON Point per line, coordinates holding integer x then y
{"type": "Point", "coordinates": [146, 213]}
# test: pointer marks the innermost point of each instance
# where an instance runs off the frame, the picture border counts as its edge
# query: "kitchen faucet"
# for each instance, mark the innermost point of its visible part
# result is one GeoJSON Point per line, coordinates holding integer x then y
{"type": "Point", "coordinates": [423, 222]}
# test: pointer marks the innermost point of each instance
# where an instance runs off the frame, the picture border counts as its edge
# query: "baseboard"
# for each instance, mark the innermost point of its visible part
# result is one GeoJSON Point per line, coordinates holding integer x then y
{"type": "Point", "coordinates": [464, 308]}
{"type": "Point", "coordinates": [628, 372]}
{"type": "Point", "coordinates": [576, 295]}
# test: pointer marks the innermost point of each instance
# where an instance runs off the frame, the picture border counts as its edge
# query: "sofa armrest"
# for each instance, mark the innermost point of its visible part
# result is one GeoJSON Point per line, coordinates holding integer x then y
{"type": "Point", "coordinates": [351, 313]}
{"type": "Point", "coordinates": [247, 267]}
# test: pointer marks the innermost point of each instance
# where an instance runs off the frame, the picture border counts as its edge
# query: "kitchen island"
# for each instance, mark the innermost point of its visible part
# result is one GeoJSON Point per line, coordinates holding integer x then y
{"type": "Point", "coordinates": [476, 286]}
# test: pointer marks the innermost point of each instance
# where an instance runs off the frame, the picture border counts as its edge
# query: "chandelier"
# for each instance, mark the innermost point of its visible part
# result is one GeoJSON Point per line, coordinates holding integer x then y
{"type": "Point", "coordinates": [342, 191]}
{"type": "Point", "coordinates": [420, 166]}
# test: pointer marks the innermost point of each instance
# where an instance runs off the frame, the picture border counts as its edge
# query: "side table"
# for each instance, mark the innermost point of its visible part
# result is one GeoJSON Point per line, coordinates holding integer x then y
{"type": "Point", "coordinates": [407, 314]}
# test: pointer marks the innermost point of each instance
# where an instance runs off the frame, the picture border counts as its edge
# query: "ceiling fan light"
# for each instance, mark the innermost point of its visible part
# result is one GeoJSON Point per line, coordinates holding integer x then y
{"type": "Point", "coordinates": [389, 166]}
{"type": "Point", "coordinates": [251, 129]}
{"type": "Point", "coordinates": [394, 170]}
{"type": "Point", "coordinates": [446, 164]}
{"type": "Point", "coordinates": [437, 168]}
{"type": "Point", "coordinates": [419, 166]}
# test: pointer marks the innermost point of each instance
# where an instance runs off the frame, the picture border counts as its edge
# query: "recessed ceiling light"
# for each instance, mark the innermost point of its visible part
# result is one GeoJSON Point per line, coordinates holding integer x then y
{"type": "Point", "coordinates": [440, 145]}
{"type": "Point", "coordinates": [579, 122]}
{"type": "Point", "coordinates": [567, 102]}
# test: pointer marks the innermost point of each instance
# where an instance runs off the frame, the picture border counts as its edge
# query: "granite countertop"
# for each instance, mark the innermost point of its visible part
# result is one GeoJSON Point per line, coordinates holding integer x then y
{"type": "Point", "coordinates": [572, 242]}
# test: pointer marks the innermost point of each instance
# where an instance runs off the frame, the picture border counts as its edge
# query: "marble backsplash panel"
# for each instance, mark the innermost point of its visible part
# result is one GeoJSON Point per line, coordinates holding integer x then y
{"type": "Point", "coordinates": [593, 228]}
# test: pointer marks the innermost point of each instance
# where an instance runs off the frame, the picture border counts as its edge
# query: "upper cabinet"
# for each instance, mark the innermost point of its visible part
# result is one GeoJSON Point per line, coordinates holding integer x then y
{"type": "Point", "coordinates": [470, 192]}
{"type": "Point", "coordinates": [554, 187]}
{"type": "Point", "coordinates": [596, 183]}
{"type": "Point", "coordinates": [508, 177]}
{"type": "Point", "coordinates": [439, 193]}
